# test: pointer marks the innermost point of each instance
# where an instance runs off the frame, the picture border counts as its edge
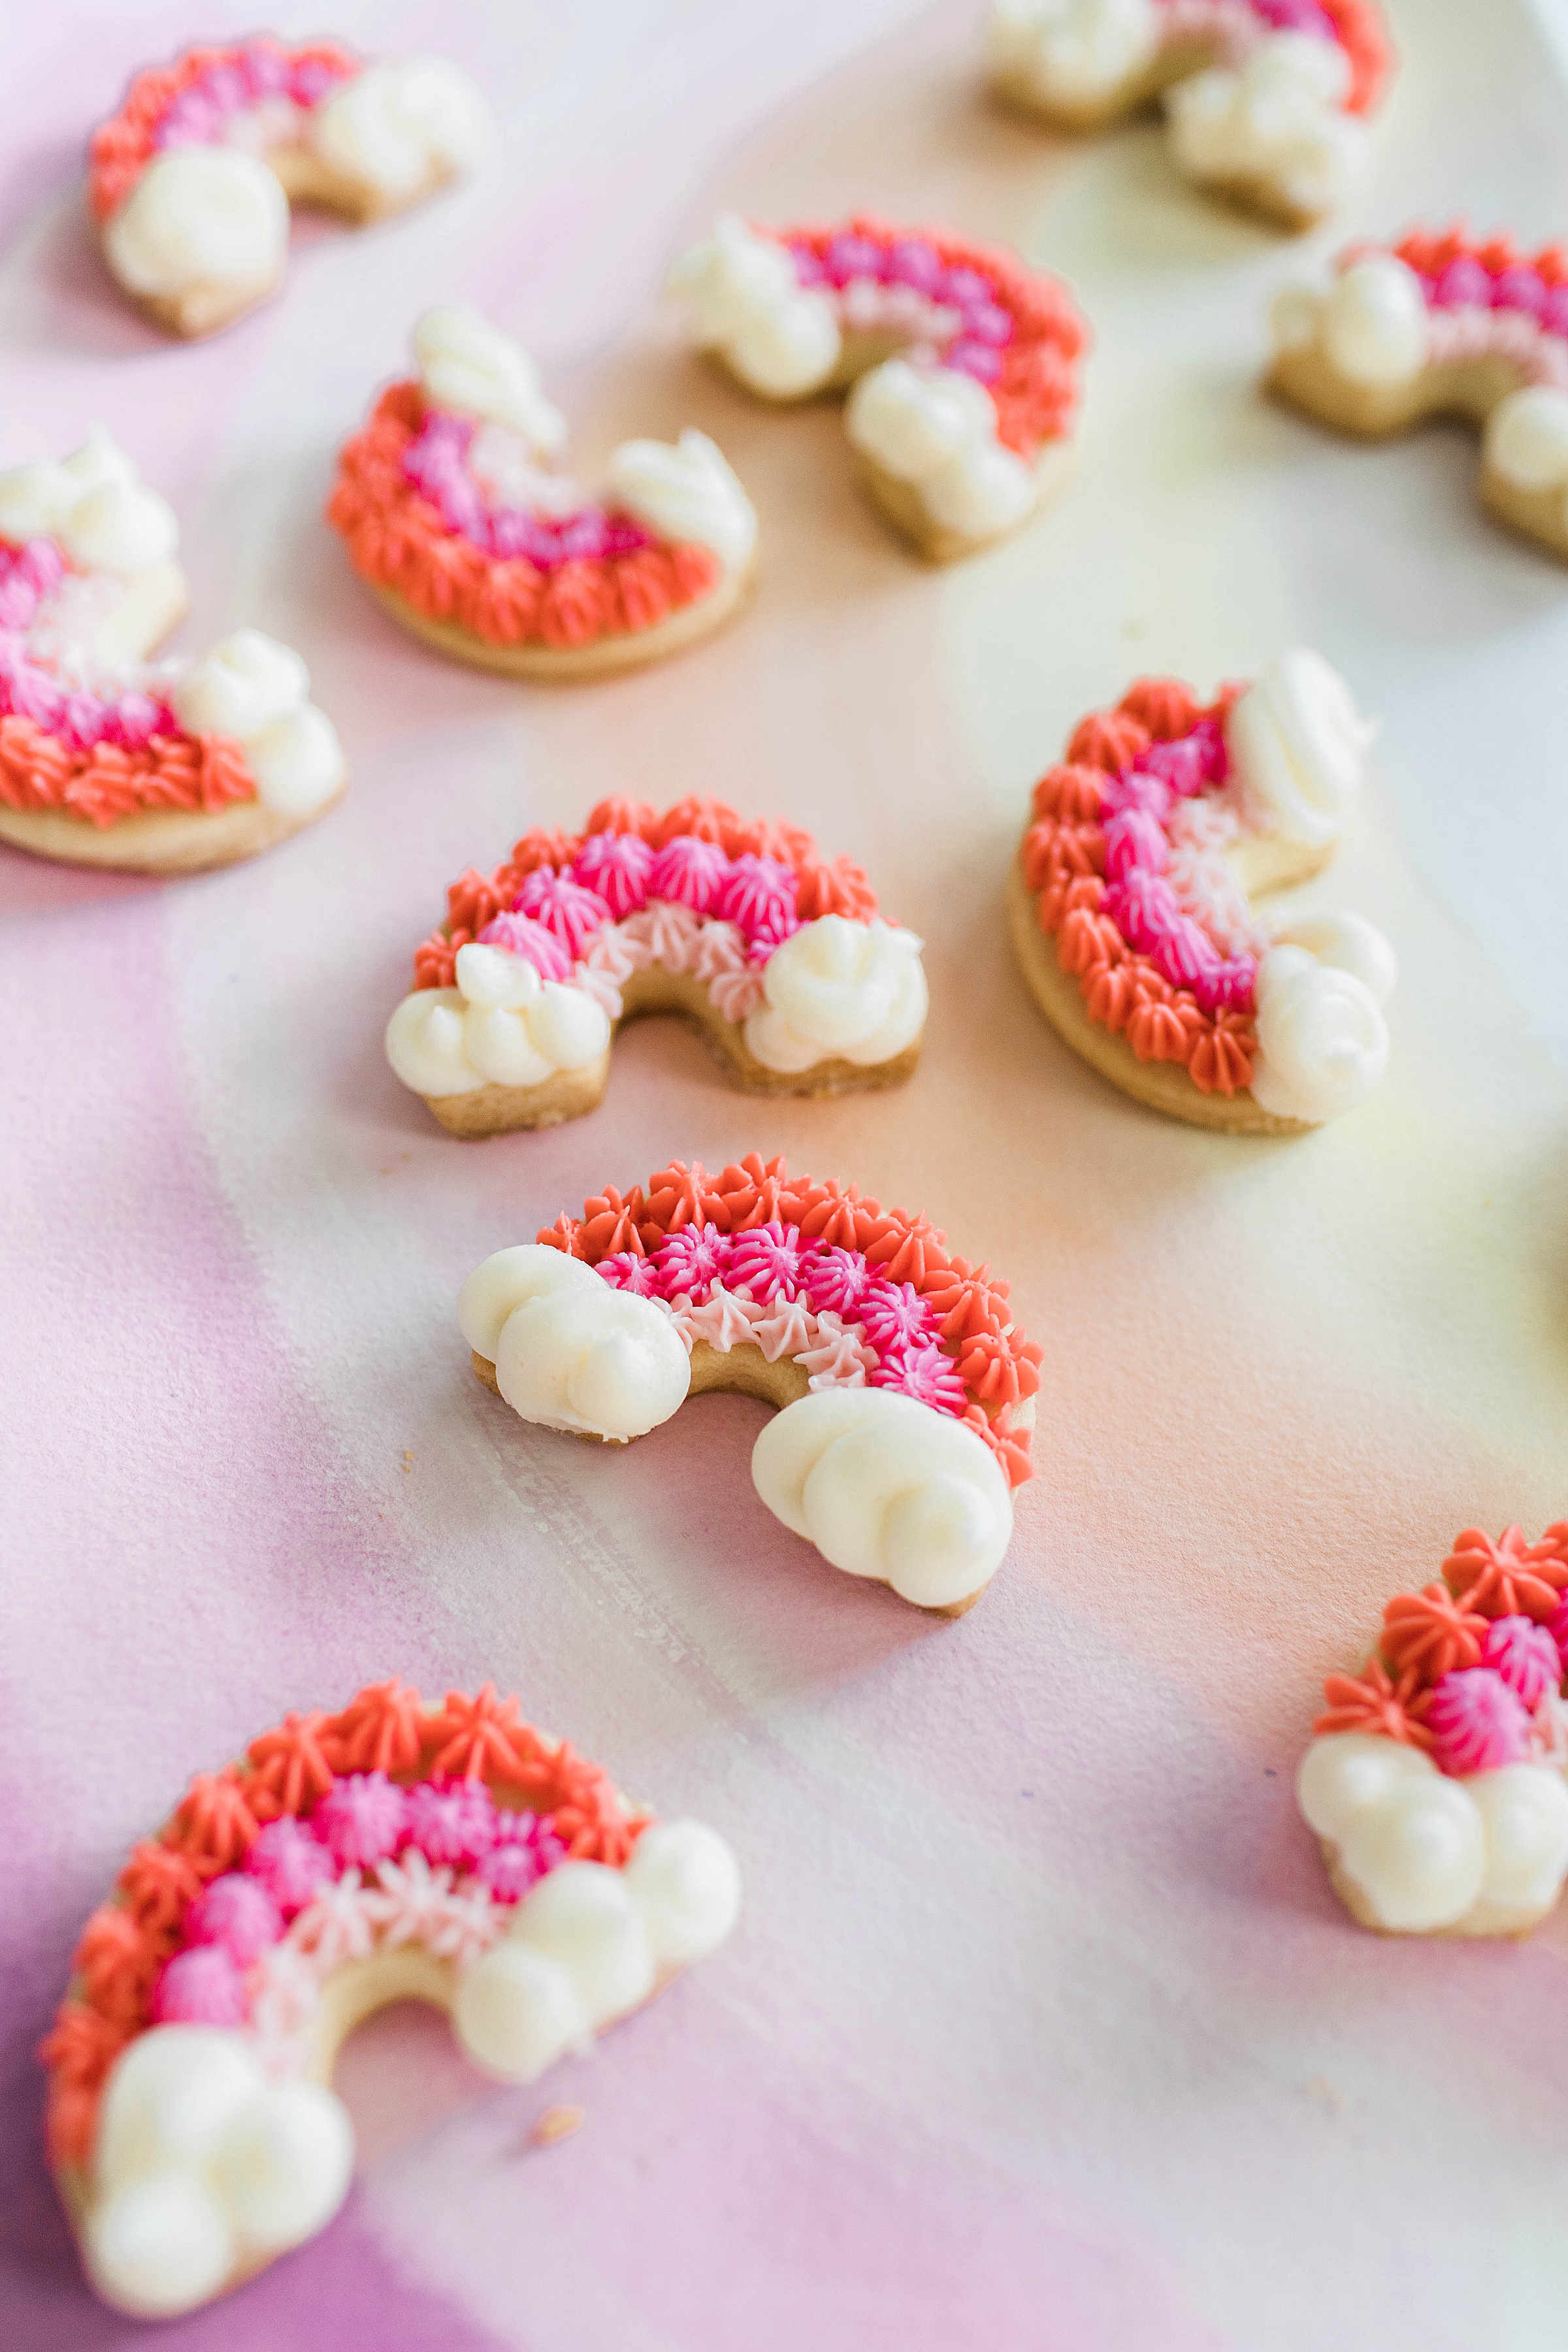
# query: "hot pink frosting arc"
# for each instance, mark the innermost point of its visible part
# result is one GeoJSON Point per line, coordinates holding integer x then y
{"type": "Point", "coordinates": [1136, 810]}
{"type": "Point", "coordinates": [1477, 1723]}
{"type": "Point", "coordinates": [237, 1912]}
{"type": "Point", "coordinates": [837, 1280]}
{"type": "Point", "coordinates": [895, 1315]}
{"type": "Point", "coordinates": [759, 893]}
{"type": "Point", "coordinates": [617, 865]}
{"type": "Point", "coordinates": [525, 1850]}
{"type": "Point", "coordinates": [200, 1986]}
{"type": "Point", "coordinates": [691, 1260]}
{"type": "Point", "coordinates": [567, 910]}
{"type": "Point", "coordinates": [1134, 841]}
{"type": "Point", "coordinates": [1526, 1657]}
{"type": "Point", "coordinates": [765, 938]}
{"type": "Point", "coordinates": [1558, 1629]}
{"type": "Point", "coordinates": [770, 1262]}
{"type": "Point", "coordinates": [451, 1822]}
{"type": "Point", "coordinates": [290, 1862]}
{"type": "Point", "coordinates": [924, 1372]}
{"type": "Point", "coordinates": [31, 570]}
{"type": "Point", "coordinates": [520, 935]}
{"type": "Point", "coordinates": [626, 1272]}
{"type": "Point", "coordinates": [692, 872]}
{"type": "Point", "coordinates": [362, 1820]}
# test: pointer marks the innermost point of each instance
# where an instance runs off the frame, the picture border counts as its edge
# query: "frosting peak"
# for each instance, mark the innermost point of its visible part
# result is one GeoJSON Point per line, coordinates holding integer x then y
{"type": "Point", "coordinates": [470, 367]}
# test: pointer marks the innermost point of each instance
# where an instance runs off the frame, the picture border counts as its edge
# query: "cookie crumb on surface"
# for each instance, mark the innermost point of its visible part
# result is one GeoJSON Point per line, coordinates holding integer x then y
{"type": "Point", "coordinates": [557, 2123]}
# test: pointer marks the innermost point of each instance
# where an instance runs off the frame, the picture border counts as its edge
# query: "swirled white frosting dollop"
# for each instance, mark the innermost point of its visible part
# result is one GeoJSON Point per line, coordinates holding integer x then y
{"type": "Point", "coordinates": [778, 336]}
{"type": "Point", "coordinates": [500, 1025]}
{"type": "Point", "coordinates": [687, 493]}
{"type": "Point", "coordinates": [1277, 118]}
{"type": "Point", "coordinates": [586, 1943]}
{"type": "Point", "coordinates": [201, 2165]}
{"type": "Point", "coordinates": [517, 2011]}
{"type": "Point", "coordinates": [199, 216]}
{"type": "Point", "coordinates": [886, 1487]}
{"type": "Point", "coordinates": [839, 990]}
{"type": "Point", "coordinates": [1322, 1041]}
{"type": "Point", "coordinates": [1374, 321]}
{"type": "Point", "coordinates": [1350, 944]}
{"type": "Point", "coordinates": [1299, 745]}
{"type": "Point", "coordinates": [469, 366]}
{"type": "Point", "coordinates": [255, 689]}
{"type": "Point", "coordinates": [1526, 439]}
{"type": "Point", "coordinates": [1524, 1822]}
{"type": "Point", "coordinates": [936, 428]}
{"type": "Point", "coordinates": [95, 503]}
{"type": "Point", "coordinates": [686, 1884]}
{"type": "Point", "coordinates": [401, 122]}
{"type": "Point", "coordinates": [569, 1351]}
{"type": "Point", "coordinates": [1074, 52]}
{"type": "Point", "coordinates": [1422, 1849]}
{"type": "Point", "coordinates": [1408, 1839]}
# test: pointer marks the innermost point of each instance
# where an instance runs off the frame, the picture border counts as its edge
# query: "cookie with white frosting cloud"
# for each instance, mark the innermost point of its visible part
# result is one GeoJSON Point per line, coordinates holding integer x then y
{"type": "Point", "coordinates": [1269, 103]}
{"type": "Point", "coordinates": [1132, 902]}
{"type": "Point", "coordinates": [394, 1850]}
{"type": "Point", "coordinates": [459, 521]}
{"type": "Point", "coordinates": [905, 1386]}
{"type": "Point", "coordinates": [963, 366]}
{"type": "Point", "coordinates": [1436, 1777]}
{"type": "Point", "coordinates": [779, 956]}
{"type": "Point", "coordinates": [107, 757]}
{"type": "Point", "coordinates": [191, 181]}
{"type": "Point", "coordinates": [1442, 324]}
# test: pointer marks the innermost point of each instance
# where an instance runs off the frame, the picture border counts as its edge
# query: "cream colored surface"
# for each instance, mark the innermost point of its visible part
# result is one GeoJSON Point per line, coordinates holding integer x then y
{"type": "Point", "coordinates": [1277, 1379]}
{"type": "Point", "coordinates": [1470, 389]}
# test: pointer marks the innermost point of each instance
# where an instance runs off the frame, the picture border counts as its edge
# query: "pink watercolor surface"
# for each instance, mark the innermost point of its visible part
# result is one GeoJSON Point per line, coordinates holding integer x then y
{"type": "Point", "coordinates": [1042, 2031]}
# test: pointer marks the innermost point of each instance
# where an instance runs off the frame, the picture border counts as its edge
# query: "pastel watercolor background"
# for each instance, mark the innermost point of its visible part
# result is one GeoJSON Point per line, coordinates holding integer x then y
{"type": "Point", "coordinates": [1042, 2031]}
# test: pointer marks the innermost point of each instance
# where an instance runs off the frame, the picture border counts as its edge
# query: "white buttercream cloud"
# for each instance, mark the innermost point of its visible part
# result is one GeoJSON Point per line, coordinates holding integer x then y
{"type": "Point", "coordinates": [886, 1487]}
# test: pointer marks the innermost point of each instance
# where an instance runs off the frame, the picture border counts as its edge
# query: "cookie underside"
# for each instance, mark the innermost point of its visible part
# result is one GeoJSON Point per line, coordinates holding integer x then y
{"type": "Point", "coordinates": [503, 1110]}
{"type": "Point", "coordinates": [899, 502]}
{"type": "Point", "coordinates": [1136, 94]}
{"type": "Point", "coordinates": [625, 650]}
{"type": "Point", "coordinates": [1307, 381]}
{"type": "Point", "coordinates": [157, 841]}
{"type": "Point", "coordinates": [1174, 61]}
{"type": "Point", "coordinates": [1481, 1919]}
{"type": "Point", "coordinates": [354, 1993]}
{"type": "Point", "coordinates": [208, 309]}
{"type": "Point", "coordinates": [740, 1371]}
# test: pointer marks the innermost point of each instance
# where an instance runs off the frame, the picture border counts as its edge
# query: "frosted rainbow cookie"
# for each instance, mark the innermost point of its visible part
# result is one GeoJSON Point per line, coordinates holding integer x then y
{"type": "Point", "coordinates": [1436, 1778]}
{"type": "Point", "coordinates": [459, 524]}
{"type": "Point", "coordinates": [1132, 902]}
{"type": "Point", "coordinates": [395, 1850]}
{"type": "Point", "coordinates": [777, 955]}
{"type": "Point", "coordinates": [963, 365]}
{"type": "Point", "coordinates": [106, 757]}
{"type": "Point", "coordinates": [1268, 103]}
{"type": "Point", "coordinates": [906, 1389]}
{"type": "Point", "coordinates": [1440, 325]}
{"type": "Point", "coordinates": [190, 183]}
